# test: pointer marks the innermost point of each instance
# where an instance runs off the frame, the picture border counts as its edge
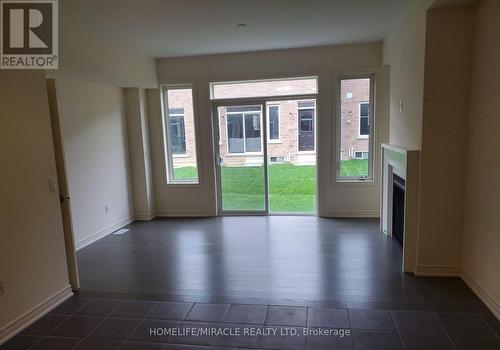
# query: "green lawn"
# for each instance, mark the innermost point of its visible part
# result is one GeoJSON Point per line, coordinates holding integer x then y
{"type": "Point", "coordinates": [291, 188]}
{"type": "Point", "coordinates": [354, 167]}
{"type": "Point", "coordinates": [185, 173]}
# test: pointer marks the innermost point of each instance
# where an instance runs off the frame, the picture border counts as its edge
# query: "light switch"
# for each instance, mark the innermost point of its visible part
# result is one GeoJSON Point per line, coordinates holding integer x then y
{"type": "Point", "coordinates": [52, 185]}
{"type": "Point", "coordinates": [401, 105]}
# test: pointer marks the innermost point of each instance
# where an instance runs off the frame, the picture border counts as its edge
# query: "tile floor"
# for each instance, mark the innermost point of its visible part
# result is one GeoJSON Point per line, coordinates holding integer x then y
{"type": "Point", "coordinates": [109, 324]}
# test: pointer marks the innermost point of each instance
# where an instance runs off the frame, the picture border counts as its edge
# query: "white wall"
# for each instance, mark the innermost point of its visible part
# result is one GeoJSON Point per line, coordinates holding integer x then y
{"type": "Point", "coordinates": [481, 247]}
{"type": "Point", "coordinates": [336, 199]}
{"type": "Point", "coordinates": [32, 253]}
{"type": "Point", "coordinates": [94, 136]}
{"type": "Point", "coordinates": [404, 50]}
{"type": "Point", "coordinates": [138, 137]}
{"type": "Point", "coordinates": [448, 64]}
{"type": "Point", "coordinates": [87, 55]}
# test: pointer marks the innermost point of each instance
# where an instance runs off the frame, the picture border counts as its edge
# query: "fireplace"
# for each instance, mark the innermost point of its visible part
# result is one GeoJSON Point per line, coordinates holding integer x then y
{"type": "Point", "coordinates": [398, 209]}
{"type": "Point", "coordinates": [399, 200]}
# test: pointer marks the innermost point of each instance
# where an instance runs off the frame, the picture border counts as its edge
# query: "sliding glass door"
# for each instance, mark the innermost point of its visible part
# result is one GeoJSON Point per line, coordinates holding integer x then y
{"type": "Point", "coordinates": [265, 144]}
{"type": "Point", "coordinates": [240, 158]}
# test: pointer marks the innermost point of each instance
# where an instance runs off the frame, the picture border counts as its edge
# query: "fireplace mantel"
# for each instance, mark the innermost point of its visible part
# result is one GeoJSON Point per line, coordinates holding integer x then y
{"type": "Point", "coordinates": [404, 163]}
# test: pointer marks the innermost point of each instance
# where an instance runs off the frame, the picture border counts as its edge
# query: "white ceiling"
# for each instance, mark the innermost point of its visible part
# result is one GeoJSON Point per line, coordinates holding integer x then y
{"type": "Point", "coordinates": [169, 28]}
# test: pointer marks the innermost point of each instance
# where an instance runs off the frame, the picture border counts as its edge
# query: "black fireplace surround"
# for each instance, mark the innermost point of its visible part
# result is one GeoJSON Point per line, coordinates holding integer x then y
{"type": "Point", "coordinates": [398, 209]}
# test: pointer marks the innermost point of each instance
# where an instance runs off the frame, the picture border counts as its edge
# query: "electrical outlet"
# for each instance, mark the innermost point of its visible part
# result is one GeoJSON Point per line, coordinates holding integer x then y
{"type": "Point", "coordinates": [2, 289]}
{"type": "Point", "coordinates": [106, 208]}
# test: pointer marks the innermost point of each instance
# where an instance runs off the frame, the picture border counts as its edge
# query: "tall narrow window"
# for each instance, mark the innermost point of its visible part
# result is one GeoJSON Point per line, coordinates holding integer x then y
{"type": "Point", "coordinates": [180, 136]}
{"type": "Point", "coordinates": [273, 116]}
{"type": "Point", "coordinates": [355, 145]}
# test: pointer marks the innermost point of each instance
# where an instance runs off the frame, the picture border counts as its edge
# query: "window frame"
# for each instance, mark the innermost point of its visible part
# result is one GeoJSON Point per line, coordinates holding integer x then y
{"type": "Point", "coordinates": [168, 156]}
{"type": "Point", "coordinates": [268, 106]}
{"type": "Point", "coordinates": [362, 136]}
{"type": "Point", "coordinates": [243, 114]}
{"type": "Point", "coordinates": [371, 137]}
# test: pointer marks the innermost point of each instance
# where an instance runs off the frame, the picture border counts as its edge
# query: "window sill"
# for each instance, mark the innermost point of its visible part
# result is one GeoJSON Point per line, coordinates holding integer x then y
{"type": "Point", "coordinates": [355, 181]}
{"type": "Point", "coordinates": [182, 183]}
{"type": "Point", "coordinates": [361, 137]}
{"type": "Point", "coordinates": [274, 141]}
{"type": "Point", "coordinates": [180, 156]}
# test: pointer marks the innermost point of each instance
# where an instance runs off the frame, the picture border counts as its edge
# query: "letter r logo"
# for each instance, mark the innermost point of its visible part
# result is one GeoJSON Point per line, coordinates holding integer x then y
{"type": "Point", "coordinates": [27, 27]}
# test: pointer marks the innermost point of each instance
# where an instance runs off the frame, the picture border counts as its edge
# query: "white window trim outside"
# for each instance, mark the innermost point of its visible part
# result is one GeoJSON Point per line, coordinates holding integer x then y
{"type": "Point", "coordinates": [313, 151]}
{"type": "Point", "coordinates": [245, 153]}
{"type": "Point", "coordinates": [359, 117]}
{"type": "Point", "coordinates": [167, 154]}
{"type": "Point", "coordinates": [269, 140]}
{"type": "Point", "coordinates": [371, 136]}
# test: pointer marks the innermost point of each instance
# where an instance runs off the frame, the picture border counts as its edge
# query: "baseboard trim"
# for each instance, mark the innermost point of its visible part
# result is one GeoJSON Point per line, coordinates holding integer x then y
{"type": "Point", "coordinates": [483, 294]}
{"type": "Point", "coordinates": [184, 213]}
{"type": "Point", "coordinates": [34, 314]}
{"type": "Point", "coordinates": [103, 233]}
{"type": "Point", "coordinates": [144, 217]}
{"type": "Point", "coordinates": [351, 214]}
{"type": "Point", "coordinates": [438, 271]}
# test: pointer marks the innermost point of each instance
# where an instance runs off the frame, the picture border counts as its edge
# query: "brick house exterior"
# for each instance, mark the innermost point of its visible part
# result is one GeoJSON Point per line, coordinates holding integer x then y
{"type": "Point", "coordinates": [354, 92]}
{"type": "Point", "coordinates": [295, 142]}
{"type": "Point", "coordinates": [285, 149]}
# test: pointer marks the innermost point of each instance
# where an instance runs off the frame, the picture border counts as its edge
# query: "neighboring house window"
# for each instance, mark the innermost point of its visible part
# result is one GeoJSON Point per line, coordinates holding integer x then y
{"type": "Point", "coordinates": [244, 129]}
{"type": "Point", "coordinates": [273, 116]}
{"type": "Point", "coordinates": [364, 119]}
{"type": "Point", "coordinates": [355, 128]}
{"type": "Point", "coordinates": [177, 130]}
{"type": "Point", "coordinates": [361, 155]}
{"type": "Point", "coordinates": [178, 119]}
{"type": "Point", "coordinates": [277, 160]}
{"type": "Point", "coordinates": [306, 112]}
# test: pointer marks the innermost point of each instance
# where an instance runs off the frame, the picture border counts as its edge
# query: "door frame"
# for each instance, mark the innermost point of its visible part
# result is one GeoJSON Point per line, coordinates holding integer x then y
{"type": "Point", "coordinates": [263, 101]}
{"type": "Point", "coordinates": [217, 159]}
{"type": "Point", "coordinates": [62, 179]}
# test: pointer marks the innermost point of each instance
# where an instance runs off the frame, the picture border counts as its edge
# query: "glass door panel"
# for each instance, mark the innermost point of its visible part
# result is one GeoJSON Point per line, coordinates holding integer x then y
{"type": "Point", "coordinates": [291, 156]}
{"type": "Point", "coordinates": [240, 159]}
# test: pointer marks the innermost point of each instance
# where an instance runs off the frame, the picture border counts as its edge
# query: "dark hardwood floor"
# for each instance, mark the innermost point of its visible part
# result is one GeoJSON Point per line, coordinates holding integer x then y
{"type": "Point", "coordinates": [270, 260]}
